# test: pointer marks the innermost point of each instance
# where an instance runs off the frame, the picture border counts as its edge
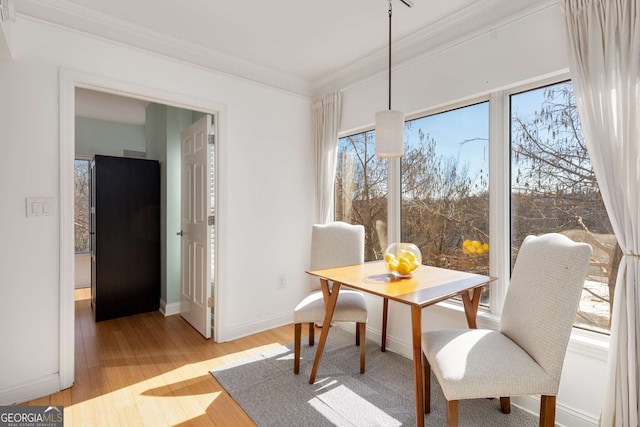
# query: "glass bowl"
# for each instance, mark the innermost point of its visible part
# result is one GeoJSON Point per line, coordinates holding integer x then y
{"type": "Point", "coordinates": [402, 259]}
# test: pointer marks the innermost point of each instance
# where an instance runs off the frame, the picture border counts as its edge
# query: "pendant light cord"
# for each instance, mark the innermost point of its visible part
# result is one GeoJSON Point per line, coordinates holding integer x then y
{"type": "Point", "coordinates": [390, 13]}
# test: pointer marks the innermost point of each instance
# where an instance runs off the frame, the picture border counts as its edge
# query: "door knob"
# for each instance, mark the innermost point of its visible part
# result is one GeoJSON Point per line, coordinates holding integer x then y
{"type": "Point", "coordinates": [180, 233]}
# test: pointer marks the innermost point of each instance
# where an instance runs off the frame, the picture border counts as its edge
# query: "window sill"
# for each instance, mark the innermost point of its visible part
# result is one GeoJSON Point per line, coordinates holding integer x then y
{"type": "Point", "coordinates": [587, 343]}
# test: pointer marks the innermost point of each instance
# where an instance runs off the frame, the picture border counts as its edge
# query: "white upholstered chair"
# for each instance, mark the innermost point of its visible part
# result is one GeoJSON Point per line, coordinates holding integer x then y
{"type": "Point", "coordinates": [335, 244]}
{"type": "Point", "coordinates": [525, 356]}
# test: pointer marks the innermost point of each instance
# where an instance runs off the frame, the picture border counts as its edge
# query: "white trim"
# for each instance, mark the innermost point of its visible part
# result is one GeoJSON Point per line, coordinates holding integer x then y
{"type": "Point", "coordinates": [588, 343]}
{"type": "Point", "coordinates": [499, 200]}
{"type": "Point", "coordinates": [252, 328]}
{"type": "Point", "coordinates": [66, 250]}
{"type": "Point", "coordinates": [69, 80]}
{"type": "Point", "coordinates": [81, 19]}
{"type": "Point", "coordinates": [475, 21]}
{"type": "Point", "coordinates": [42, 386]}
{"type": "Point", "coordinates": [565, 415]}
{"type": "Point", "coordinates": [170, 309]}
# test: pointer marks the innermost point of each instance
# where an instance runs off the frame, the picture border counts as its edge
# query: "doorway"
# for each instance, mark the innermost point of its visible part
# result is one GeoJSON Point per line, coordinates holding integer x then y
{"type": "Point", "coordinates": [69, 82]}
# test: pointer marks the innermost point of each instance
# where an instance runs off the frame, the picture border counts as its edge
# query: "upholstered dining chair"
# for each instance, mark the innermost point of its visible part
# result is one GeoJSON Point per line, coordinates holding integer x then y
{"type": "Point", "coordinates": [525, 356]}
{"type": "Point", "coordinates": [335, 244]}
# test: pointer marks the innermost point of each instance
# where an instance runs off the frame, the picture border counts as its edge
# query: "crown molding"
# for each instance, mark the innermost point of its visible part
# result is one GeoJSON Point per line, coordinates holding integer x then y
{"type": "Point", "coordinates": [470, 22]}
{"type": "Point", "coordinates": [82, 19]}
{"type": "Point", "coordinates": [465, 25]}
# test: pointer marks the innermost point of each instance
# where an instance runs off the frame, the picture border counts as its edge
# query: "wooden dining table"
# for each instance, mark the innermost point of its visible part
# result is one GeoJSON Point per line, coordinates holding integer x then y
{"type": "Point", "coordinates": [427, 286]}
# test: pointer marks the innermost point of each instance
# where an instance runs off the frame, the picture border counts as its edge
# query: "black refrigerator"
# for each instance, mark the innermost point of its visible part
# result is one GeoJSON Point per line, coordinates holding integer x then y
{"type": "Point", "coordinates": [125, 236]}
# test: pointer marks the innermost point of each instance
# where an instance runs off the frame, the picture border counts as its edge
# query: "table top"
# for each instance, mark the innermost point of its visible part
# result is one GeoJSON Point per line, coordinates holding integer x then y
{"type": "Point", "coordinates": [428, 285]}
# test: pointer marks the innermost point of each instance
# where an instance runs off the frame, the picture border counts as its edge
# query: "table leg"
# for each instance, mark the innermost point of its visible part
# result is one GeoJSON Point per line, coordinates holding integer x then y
{"type": "Point", "coordinates": [416, 330]}
{"type": "Point", "coordinates": [330, 306]}
{"type": "Point", "coordinates": [385, 309]}
{"type": "Point", "coordinates": [471, 304]}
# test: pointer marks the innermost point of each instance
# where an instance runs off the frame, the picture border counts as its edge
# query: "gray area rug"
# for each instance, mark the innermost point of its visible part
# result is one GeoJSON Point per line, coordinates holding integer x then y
{"type": "Point", "coordinates": [265, 386]}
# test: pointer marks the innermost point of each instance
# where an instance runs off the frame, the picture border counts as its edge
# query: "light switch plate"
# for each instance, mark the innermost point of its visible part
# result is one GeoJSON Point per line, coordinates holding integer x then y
{"type": "Point", "coordinates": [40, 206]}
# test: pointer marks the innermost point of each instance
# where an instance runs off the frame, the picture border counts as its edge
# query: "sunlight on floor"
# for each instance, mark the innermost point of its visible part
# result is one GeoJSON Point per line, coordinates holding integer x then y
{"type": "Point", "coordinates": [342, 406]}
{"type": "Point", "coordinates": [168, 386]}
{"type": "Point", "coordinates": [247, 356]}
{"type": "Point", "coordinates": [82, 294]}
{"type": "Point", "coordinates": [148, 397]}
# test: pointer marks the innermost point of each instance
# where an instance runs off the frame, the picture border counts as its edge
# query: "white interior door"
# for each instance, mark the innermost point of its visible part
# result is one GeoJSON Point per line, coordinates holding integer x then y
{"type": "Point", "coordinates": [195, 232]}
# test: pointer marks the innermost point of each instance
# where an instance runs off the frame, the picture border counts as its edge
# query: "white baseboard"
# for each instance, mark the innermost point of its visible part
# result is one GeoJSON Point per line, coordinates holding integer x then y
{"type": "Point", "coordinates": [31, 390]}
{"type": "Point", "coordinates": [169, 309]}
{"type": "Point", "coordinates": [397, 346]}
{"type": "Point", "coordinates": [247, 329]}
{"type": "Point", "coordinates": [565, 416]}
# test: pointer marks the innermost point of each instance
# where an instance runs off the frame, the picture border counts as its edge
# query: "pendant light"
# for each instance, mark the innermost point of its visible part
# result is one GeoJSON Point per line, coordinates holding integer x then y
{"type": "Point", "coordinates": [390, 123]}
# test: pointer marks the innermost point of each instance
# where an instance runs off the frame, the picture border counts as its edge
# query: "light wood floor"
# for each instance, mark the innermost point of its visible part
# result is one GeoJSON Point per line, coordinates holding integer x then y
{"type": "Point", "coordinates": [151, 370]}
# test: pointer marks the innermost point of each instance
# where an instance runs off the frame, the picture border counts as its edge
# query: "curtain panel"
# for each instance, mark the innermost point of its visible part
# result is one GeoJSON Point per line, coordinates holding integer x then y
{"type": "Point", "coordinates": [604, 59]}
{"type": "Point", "coordinates": [326, 125]}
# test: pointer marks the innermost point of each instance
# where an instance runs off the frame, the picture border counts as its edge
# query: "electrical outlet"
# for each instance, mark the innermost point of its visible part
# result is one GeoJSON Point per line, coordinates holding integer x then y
{"type": "Point", "coordinates": [281, 282]}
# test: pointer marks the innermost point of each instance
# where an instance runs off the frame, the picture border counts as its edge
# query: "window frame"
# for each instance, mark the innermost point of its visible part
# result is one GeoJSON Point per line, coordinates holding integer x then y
{"type": "Point", "coordinates": [88, 159]}
{"type": "Point", "coordinates": [584, 341]}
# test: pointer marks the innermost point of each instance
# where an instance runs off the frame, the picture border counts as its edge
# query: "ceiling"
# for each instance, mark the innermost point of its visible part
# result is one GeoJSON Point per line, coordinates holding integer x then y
{"type": "Point", "coordinates": [302, 46]}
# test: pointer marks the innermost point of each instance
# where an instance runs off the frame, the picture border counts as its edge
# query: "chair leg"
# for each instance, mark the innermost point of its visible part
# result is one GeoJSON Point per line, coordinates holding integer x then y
{"type": "Point", "coordinates": [547, 411]}
{"type": "Point", "coordinates": [426, 380]}
{"type": "Point", "coordinates": [452, 413]}
{"type": "Point", "coordinates": [312, 334]}
{"type": "Point", "coordinates": [505, 405]}
{"type": "Point", "coordinates": [361, 331]}
{"type": "Point", "coordinates": [296, 347]}
{"type": "Point", "coordinates": [357, 333]}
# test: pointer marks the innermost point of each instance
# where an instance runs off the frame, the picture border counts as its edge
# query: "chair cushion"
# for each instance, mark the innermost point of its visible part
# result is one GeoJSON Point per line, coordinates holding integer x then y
{"type": "Point", "coordinates": [478, 363]}
{"type": "Point", "coordinates": [350, 307]}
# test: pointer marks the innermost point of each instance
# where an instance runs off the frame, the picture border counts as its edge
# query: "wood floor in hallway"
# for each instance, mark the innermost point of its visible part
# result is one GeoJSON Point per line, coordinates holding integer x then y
{"type": "Point", "coordinates": [151, 370]}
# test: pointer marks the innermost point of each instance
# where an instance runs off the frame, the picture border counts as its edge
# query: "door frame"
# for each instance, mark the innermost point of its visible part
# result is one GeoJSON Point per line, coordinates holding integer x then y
{"type": "Point", "coordinates": [69, 80]}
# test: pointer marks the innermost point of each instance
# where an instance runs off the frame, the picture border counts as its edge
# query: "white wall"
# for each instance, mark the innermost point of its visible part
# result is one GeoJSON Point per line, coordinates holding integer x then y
{"type": "Point", "coordinates": [265, 178]}
{"type": "Point", "coordinates": [107, 138]}
{"type": "Point", "coordinates": [528, 49]}
{"type": "Point", "coordinates": [82, 270]}
{"type": "Point", "coordinates": [164, 125]}
{"type": "Point", "coordinates": [5, 39]}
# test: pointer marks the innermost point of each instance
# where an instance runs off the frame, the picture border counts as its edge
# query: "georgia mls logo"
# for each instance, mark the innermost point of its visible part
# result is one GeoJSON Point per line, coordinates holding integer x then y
{"type": "Point", "coordinates": [55, 409]}
{"type": "Point", "coordinates": [31, 416]}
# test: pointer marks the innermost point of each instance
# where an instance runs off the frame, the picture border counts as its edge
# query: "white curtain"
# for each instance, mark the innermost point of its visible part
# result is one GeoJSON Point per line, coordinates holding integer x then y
{"type": "Point", "coordinates": [326, 124]}
{"type": "Point", "coordinates": [604, 58]}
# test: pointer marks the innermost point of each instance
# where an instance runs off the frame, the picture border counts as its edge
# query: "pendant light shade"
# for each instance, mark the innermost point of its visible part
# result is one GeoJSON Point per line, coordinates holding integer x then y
{"type": "Point", "coordinates": [389, 133]}
{"type": "Point", "coordinates": [390, 123]}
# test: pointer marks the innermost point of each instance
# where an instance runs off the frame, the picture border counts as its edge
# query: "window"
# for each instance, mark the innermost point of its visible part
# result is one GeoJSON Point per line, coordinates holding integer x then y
{"type": "Point", "coordinates": [543, 183]}
{"type": "Point", "coordinates": [361, 190]}
{"type": "Point", "coordinates": [445, 198]}
{"type": "Point", "coordinates": [445, 191]}
{"type": "Point", "coordinates": [81, 206]}
{"type": "Point", "coordinates": [554, 189]}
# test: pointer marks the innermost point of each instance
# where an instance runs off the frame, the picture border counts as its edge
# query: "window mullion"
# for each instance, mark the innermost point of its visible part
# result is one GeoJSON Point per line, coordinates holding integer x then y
{"type": "Point", "coordinates": [499, 202]}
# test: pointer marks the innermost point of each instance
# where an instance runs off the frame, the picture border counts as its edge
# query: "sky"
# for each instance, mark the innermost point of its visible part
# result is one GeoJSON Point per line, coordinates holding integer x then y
{"type": "Point", "coordinates": [463, 133]}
